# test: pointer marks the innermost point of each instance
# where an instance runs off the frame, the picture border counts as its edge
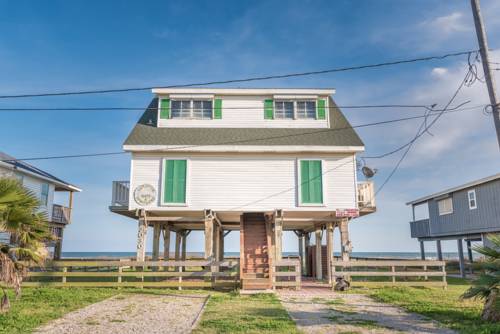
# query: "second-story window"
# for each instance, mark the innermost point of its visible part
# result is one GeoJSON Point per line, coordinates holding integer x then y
{"type": "Point", "coordinates": [445, 206]}
{"type": "Point", "coordinates": [294, 110]}
{"type": "Point", "coordinates": [191, 109]}
{"type": "Point", "coordinates": [44, 195]}
{"type": "Point", "coordinates": [471, 195]}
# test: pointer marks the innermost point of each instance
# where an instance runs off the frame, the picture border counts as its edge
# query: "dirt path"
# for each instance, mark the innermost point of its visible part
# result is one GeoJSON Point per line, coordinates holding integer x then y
{"type": "Point", "coordinates": [136, 314]}
{"type": "Point", "coordinates": [337, 313]}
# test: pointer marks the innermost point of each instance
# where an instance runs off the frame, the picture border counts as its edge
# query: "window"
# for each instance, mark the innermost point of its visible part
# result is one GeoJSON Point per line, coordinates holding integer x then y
{"type": "Point", "coordinates": [191, 109]}
{"type": "Point", "coordinates": [174, 181]}
{"type": "Point", "coordinates": [306, 109]}
{"type": "Point", "coordinates": [445, 206]}
{"type": "Point", "coordinates": [292, 110]}
{"type": "Point", "coordinates": [471, 196]}
{"type": "Point", "coordinates": [284, 110]}
{"type": "Point", "coordinates": [310, 182]}
{"type": "Point", "coordinates": [44, 196]}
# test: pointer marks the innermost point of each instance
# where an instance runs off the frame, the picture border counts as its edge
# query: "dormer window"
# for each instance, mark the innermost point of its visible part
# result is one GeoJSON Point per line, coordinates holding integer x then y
{"type": "Point", "coordinates": [284, 110]}
{"type": "Point", "coordinates": [305, 109]}
{"type": "Point", "coordinates": [192, 109]}
{"type": "Point", "coordinates": [294, 109]}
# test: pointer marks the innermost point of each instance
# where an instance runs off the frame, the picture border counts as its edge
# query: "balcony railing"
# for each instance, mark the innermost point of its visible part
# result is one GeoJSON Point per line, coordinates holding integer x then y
{"type": "Point", "coordinates": [61, 214]}
{"type": "Point", "coordinates": [420, 228]}
{"type": "Point", "coordinates": [366, 195]}
{"type": "Point", "coordinates": [120, 194]}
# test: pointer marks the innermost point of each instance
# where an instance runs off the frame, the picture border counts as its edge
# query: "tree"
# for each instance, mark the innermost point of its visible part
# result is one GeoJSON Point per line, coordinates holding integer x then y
{"type": "Point", "coordinates": [21, 217]}
{"type": "Point", "coordinates": [487, 285]}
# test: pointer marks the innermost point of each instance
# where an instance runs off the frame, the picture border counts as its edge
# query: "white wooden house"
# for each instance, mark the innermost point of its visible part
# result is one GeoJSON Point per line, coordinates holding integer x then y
{"type": "Point", "coordinates": [43, 185]}
{"type": "Point", "coordinates": [255, 160]}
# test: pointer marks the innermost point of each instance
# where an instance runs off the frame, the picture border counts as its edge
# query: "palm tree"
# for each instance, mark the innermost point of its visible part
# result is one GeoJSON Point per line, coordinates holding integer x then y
{"type": "Point", "coordinates": [487, 286]}
{"type": "Point", "coordinates": [21, 217]}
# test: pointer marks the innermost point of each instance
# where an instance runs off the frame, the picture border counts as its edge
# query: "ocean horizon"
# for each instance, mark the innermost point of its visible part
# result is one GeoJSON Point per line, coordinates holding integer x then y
{"type": "Point", "coordinates": [375, 255]}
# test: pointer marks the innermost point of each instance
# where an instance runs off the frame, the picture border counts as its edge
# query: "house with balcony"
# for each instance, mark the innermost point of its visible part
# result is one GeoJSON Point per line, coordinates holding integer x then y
{"type": "Point", "coordinates": [44, 186]}
{"type": "Point", "coordinates": [467, 212]}
{"type": "Point", "coordinates": [257, 161]}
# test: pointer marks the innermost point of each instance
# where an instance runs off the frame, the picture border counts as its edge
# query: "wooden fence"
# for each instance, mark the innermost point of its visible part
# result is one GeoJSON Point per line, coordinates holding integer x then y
{"type": "Point", "coordinates": [116, 273]}
{"type": "Point", "coordinates": [286, 273]}
{"type": "Point", "coordinates": [391, 273]}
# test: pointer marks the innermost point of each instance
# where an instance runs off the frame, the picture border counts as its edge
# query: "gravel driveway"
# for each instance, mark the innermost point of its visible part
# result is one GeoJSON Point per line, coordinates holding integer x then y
{"type": "Point", "coordinates": [349, 313]}
{"type": "Point", "coordinates": [131, 313]}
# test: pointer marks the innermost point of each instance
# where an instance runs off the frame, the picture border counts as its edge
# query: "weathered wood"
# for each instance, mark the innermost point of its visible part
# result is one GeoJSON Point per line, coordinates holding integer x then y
{"type": "Point", "coordinates": [178, 243]}
{"type": "Point", "coordinates": [271, 250]}
{"type": "Point", "coordinates": [422, 251]}
{"type": "Point", "coordinates": [117, 263]}
{"type": "Point", "coordinates": [156, 241]}
{"type": "Point", "coordinates": [184, 235]}
{"type": "Point", "coordinates": [307, 243]}
{"type": "Point", "coordinates": [390, 273]}
{"type": "Point", "coordinates": [461, 261]}
{"type": "Point", "coordinates": [344, 239]}
{"type": "Point", "coordinates": [329, 250]}
{"type": "Point", "coordinates": [301, 248]}
{"type": "Point", "coordinates": [120, 274]}
{"type": "Point", "coordinates": [319, 268]}
{"type": "Point", "coordinates": [164, 284]}
{"type": "Point", "coordinates": [400, 283]}
{"type": "Point", "coordinates": [141, 240]}
{"type": "Point", "coordinates": [209, 237]}
{"type": "Point", "coordinates": [388, 263]}
{"type": "Point", "coordinates": [438, 249]}
{"type": "Point", "coordinates": [242, 245]}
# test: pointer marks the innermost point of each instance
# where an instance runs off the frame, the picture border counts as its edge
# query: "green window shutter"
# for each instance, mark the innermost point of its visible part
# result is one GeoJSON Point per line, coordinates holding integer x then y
{"type": "Point", "coordinates": [218, 109]}
{"type": "Point", "coordinates": [165, 108]}
{"type": "Point", "coordinates": [175, 181]}
{"type": "Point", "coordinates": [320, 109]}
{"type": "Point", "coordinates": [311, 187]}
{"type": "Point", "coordinates": [268, 109]}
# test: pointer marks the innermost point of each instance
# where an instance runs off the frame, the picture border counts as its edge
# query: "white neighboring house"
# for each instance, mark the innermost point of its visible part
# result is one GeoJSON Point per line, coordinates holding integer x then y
{"type": "Point", "coordinates": [43, 185]}
{"type": "Point", "coordinates": [203, 158]}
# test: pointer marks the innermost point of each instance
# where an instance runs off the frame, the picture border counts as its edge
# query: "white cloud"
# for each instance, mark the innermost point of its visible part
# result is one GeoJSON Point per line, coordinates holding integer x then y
{"type": "Point", "coordinates": [439, 71]}
{"type": "Point", "coordinates": [445, 25]}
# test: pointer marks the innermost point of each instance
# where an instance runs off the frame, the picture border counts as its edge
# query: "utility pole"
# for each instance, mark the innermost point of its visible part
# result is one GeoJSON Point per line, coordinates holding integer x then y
{"type": "Point", "coordinates": [488, 73]}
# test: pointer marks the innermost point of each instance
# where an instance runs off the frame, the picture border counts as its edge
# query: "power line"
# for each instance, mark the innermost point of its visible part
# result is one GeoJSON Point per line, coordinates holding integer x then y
{"type": "Point", "coordinates": [426, 127]}
{"type": "Point", "coordinates": [250, 79]}
{"type": "Point", "coordinates": [456, 109]}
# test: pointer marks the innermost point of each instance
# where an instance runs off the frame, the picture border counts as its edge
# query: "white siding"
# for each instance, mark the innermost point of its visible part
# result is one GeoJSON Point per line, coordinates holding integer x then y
{"type": "Point", "coordinates": [35, 185]}
{"type": "Point", "coordinates": [248, 182]}
{"type": "Point", "coordinates": [244, 112]}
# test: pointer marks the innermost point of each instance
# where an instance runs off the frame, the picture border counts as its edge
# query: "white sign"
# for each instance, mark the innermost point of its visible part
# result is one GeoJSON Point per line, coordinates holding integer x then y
{"type": "Point", "coordinates": [144, 194]}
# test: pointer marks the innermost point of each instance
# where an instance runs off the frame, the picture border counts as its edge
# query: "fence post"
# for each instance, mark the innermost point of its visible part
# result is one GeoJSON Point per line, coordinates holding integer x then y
{"type": "Point", "coordinates": [65, 270]}
{"type": "Point", "coordinates": [425, 270]}
{"type": "Point", "coordinates": [333, 275]}
{"type": "Point", "coordinates": [297, 275]}
{"type": "Point", "coordinates": [445, 284]}
{"type": "Point", "coordinates": [120, 269]}
{"type": "Point", "coordinates": [180, 277]}
{"type": "Point", "coordinates": [393, 269]}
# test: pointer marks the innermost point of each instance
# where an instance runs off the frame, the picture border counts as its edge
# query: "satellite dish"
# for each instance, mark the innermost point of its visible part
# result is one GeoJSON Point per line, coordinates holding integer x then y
{"type": "Point", "coordinates": [368, 172]}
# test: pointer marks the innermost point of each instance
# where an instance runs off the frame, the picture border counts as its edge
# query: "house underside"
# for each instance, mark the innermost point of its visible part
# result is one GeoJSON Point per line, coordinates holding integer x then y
{"type": "Point", "coordinates": [261, 236]}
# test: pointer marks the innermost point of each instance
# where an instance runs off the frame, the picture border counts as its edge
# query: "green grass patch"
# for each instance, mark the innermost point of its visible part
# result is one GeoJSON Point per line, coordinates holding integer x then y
{"type": "Point", "coordinates": [444, 306]}
{"type": "Point", "coordinates": [232, 313]}
{"type": "Point", "coordinates": [335, 301]}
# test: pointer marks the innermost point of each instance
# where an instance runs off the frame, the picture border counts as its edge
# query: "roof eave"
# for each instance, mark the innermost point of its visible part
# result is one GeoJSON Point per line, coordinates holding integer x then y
{"type": "Point", "coordinates": [243, 148]}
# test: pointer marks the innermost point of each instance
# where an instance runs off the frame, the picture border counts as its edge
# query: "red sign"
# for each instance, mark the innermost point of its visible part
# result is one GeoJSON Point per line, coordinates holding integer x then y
{"type": "Point", "coordinates": [347, 213]}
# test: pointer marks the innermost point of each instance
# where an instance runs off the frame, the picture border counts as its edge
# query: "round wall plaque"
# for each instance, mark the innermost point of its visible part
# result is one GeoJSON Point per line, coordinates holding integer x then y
{"type": "Point", "coordinates": [144, 194]}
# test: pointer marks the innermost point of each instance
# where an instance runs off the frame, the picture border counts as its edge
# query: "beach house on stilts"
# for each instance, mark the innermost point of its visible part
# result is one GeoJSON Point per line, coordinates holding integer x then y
{"type": "Point", "coordinates": [257, 161]}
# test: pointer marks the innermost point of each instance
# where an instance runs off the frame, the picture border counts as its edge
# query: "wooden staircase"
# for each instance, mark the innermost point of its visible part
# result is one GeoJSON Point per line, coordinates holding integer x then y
{"type": "Point", "coordinates": [254, 252]}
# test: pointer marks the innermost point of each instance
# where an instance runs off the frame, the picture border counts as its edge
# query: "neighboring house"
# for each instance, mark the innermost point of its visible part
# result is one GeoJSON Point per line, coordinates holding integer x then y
{"type": "Point", "coordinates": [255, 160]}
{"type": "Point", "coordinates": [468, 212]}
{"type": "Point", "coordinates": [43, 185]}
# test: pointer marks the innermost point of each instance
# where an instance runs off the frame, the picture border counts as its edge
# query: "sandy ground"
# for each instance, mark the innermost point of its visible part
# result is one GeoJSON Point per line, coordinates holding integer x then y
{"type": "Point", "coordinates": [349, 313]}
{"type": "Point", "coordinates": [136, 314]}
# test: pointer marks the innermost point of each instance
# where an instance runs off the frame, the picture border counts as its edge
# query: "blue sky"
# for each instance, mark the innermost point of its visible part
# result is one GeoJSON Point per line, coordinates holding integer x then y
{"type": "Point", "coordinates": [72, 45]}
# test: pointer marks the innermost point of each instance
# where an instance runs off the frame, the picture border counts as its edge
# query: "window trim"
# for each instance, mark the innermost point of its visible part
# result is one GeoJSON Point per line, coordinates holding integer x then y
{"type": "Point", "coordinates": [446, 212]}
{"type": "Point", "coordinates": [191, 100]}
{"type": "Point", "coordinates": [299, 186]}
{"type": "Point", "coordinates": [472, 191]}
{"type": "Point", "coordinates": [295, 117]}
{"type": "Point", "coordinates": [162, 187]}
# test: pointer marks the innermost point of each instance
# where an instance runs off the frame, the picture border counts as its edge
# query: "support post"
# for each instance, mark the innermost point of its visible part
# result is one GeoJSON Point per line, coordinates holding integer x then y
{"type": "Point", "coordinates": [439, 251]}
{"type": "Point", "coordinates": [307, 243]}
{"type": "Point", "coordinates": [178, 241]}
{"type": "Point", "coordinates": [301, 251]}
{"type": "Point", "coordinates": [469, 254]}
{"type": "Point", "coordinates": [166, 242]}
{"type": "Point", "coordinates": [278, 232]}
{"type": "Point", "coordinates": [329, 250]}
{"type": "Point", "coordinates": [184, 235]}
{"type": "Point", "coordinates": [156, 241]}
{"type": "Point", "coordinates": [141, 239]}
{"type": "Point", "coordinates": [344, 238]}
{"type": "Point", "coordinates": [209, 235]}
{"type": "Point", "coordinates": [271, 253]}
{"type": "Point", "coordinates": [58, 246]}
{"type": "Point", "coordinates": [422, 250]}
{"type": "Point", "coordinates": [319, 269]}
{"type": "Point", "coordinates": [221, 244]}
{"type": "Point", "coordinates": [489, 78]}
{"type": "Point", "coordinates": [461, 258]}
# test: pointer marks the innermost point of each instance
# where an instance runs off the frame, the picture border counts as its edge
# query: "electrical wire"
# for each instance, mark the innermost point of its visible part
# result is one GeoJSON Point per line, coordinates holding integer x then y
{"type": "Point", "coordinates": [249, 79]}
{"type": "Point", "coordinates": [451, 110]}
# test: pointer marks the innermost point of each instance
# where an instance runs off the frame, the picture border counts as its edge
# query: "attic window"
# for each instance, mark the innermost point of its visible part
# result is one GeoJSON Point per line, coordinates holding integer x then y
{"type": "Point", "coordinates": [294, 109]}
{"type": "Point", "coordinates": [191, 109]}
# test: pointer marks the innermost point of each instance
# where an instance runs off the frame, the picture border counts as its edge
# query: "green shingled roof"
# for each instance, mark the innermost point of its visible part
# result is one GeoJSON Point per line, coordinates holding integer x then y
{"type": "Point", "coordinates": [146, 132]}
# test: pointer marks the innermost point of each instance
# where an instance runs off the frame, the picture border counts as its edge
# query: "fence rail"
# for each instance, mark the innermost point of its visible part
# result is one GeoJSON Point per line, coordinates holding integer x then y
{"type": "Point", "coordinates": [174, 274]}
{"type": "Point", "coordinates": [286, 273]}
{"type": "Point", "coordinates": [396, 270]}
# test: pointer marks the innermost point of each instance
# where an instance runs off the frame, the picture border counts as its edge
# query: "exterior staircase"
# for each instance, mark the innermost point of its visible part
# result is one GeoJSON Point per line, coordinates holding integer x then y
{"type": "Point", "coordinates": [255, 255]}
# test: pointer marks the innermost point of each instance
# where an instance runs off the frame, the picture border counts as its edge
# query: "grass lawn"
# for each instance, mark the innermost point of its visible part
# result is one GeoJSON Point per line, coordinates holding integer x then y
{"type": "Point", "coordinates": [444, 306]}
{"type": "Point", "coordinates": [37, 306]}
{"type": "Point", "coordinates": [232, 313]}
